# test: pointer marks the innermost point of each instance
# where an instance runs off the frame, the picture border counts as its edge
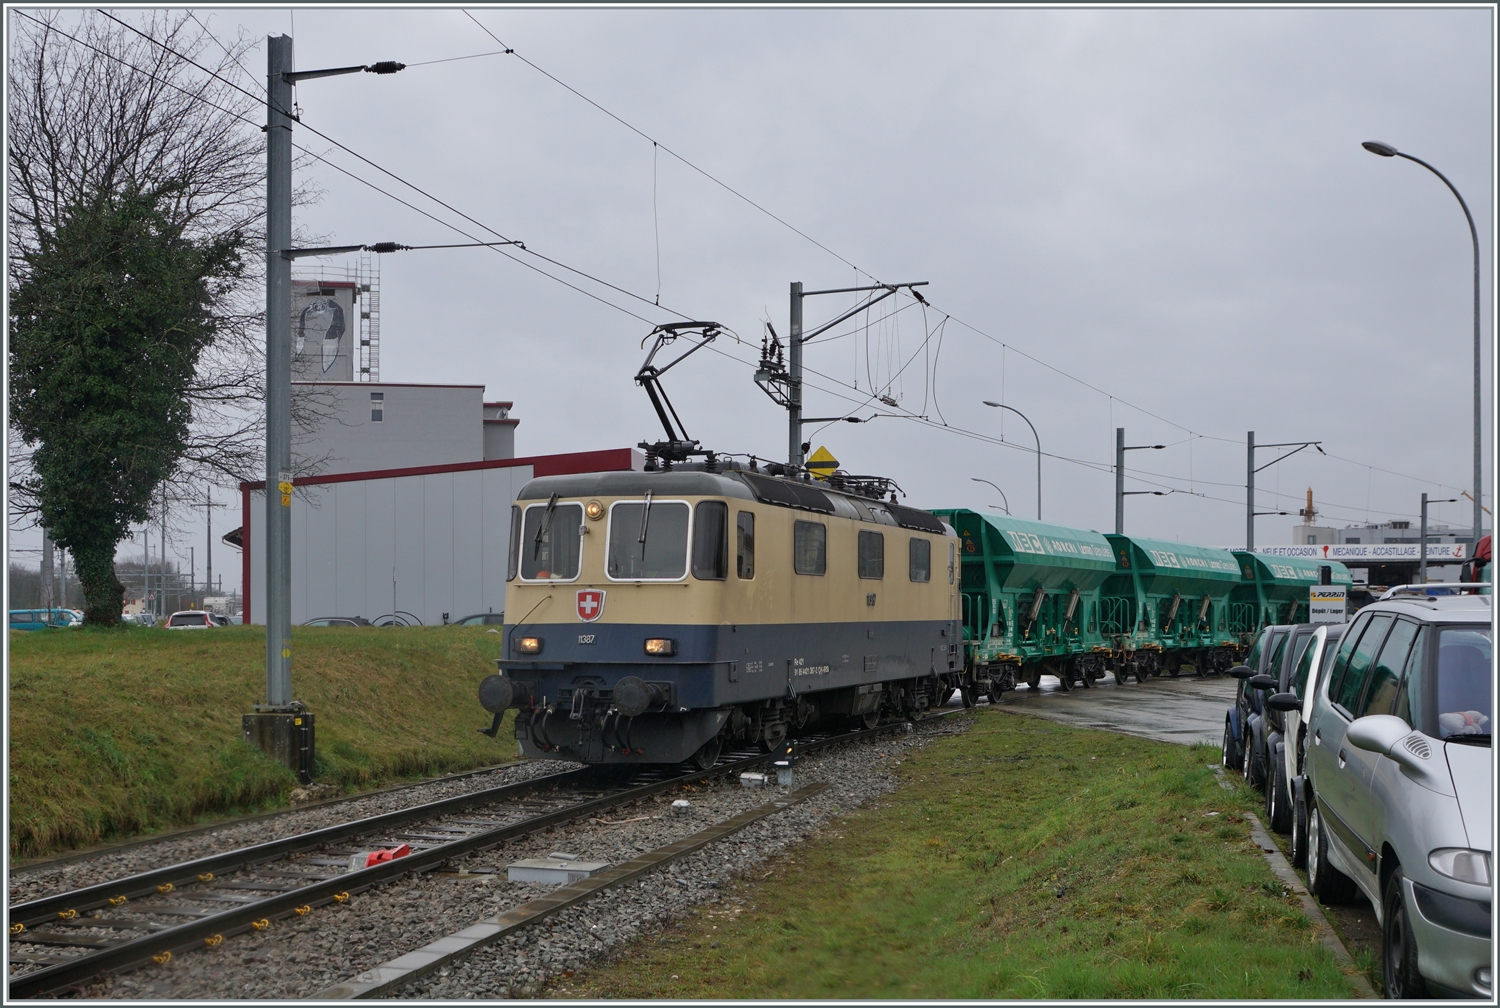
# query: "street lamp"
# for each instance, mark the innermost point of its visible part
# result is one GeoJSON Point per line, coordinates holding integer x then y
{"type": "Point", "coordinates": [1250, 470]}
{"type": "Point", "coordinates": [1038, 452]}
{"type": "Point", "coordinates": [1006, 509]}
{"type": "Point", "coordinates": [1386, 150]}
{"type": "Point", "coordinates": [1120, 449]}
{"type": "Point", "coordinates": [1422, 549]}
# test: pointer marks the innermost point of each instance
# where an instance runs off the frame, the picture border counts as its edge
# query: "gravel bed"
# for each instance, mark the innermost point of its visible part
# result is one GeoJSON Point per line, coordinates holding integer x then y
{"type": "Point", "coordinates": [41, 881]}
{"type": "Point", "coordinates": [298, 958]}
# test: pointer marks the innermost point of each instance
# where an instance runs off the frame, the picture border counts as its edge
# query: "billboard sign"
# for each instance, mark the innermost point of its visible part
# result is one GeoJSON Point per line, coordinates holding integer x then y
{"type": "Point", "coordinates": [325, 330]}
{"type": "Point", "coordinates": [1368, 553]}
{"type": "Point", "coordinates": [1327, 604]}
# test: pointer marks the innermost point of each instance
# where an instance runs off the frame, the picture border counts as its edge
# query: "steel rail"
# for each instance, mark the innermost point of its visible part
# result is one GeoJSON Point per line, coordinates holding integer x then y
{"type": "Point", "coordinates": [162, 945]}
{"type": "Point", "coordinates": [32, 865]}
{"type": "Point", "coordinates": [185, 873]}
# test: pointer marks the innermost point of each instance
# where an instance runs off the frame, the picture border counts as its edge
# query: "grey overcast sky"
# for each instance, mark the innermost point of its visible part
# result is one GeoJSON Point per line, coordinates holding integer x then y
{"type": "Point", "coordinates": [1168, 209]}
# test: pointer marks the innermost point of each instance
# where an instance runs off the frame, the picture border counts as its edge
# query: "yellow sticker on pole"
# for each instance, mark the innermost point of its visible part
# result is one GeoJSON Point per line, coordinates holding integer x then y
{"type": "Point", "coordinates": [822, 463]}
{"type": "Point", "coordinates": [286, 500]}
{"type": "Point", "coordinates": [285, 486]}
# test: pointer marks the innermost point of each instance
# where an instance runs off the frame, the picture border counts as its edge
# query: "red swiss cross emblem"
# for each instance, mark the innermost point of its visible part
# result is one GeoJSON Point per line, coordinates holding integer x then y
{"type": "Point", "coordinates": [590, 604]}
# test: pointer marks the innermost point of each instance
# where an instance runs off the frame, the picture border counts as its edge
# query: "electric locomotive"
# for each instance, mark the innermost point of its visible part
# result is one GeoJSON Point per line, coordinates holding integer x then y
{"type": "Point", "coordinates": [661, 614]}
{"type": "Point", "coordinates": [655, 616]}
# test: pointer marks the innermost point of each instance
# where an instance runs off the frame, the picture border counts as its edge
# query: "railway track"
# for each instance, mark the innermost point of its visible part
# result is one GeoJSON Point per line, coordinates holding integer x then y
{"type": "Point", "coordinates": [63, 941]}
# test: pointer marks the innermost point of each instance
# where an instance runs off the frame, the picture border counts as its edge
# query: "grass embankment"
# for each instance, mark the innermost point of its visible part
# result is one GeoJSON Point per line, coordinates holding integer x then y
{"type": "Point", "coordinates": [118, 732]}
{"type": "Point", "coordinates": [1025, 859]}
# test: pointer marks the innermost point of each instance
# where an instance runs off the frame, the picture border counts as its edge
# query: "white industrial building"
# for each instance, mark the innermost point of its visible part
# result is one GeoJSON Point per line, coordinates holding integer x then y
{"type": "Point", "coordinates": [409, 515]}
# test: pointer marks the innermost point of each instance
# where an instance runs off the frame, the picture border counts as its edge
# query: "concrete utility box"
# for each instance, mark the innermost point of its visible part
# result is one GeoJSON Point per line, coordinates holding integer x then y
{"type": "Point", "coordinates": [553, 870]}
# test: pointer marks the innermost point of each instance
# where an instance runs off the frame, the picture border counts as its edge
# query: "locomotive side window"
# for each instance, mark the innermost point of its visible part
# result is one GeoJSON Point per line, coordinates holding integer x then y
{"type": "Point", "coordinates": [515, 543]}
{"type": "Point", "coordinates": [810, 547]}
{"type": "Point", "coordinates": [919, 556]}
{"type": "Point", "coordinates": [871, 555]}
{"type": "Point", "coordinates": [950, 563]}
{"type": "Point", "coordinates": [550, 542]}
{"type": "Point", "coordinates": [744, 559]}
{"type": "Point", "coordinates": [647, 541]}
{"type": "Point", "coordinates": [711, 541]}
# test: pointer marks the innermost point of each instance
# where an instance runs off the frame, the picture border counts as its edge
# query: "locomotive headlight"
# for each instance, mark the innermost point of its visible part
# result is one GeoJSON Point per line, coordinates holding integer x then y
{"type": "Point", "coordinates": [661, 646]}
{"type": "Point", "coordinates": [594, 510]}
{"type": "Point", "coordinates": [528, 645]}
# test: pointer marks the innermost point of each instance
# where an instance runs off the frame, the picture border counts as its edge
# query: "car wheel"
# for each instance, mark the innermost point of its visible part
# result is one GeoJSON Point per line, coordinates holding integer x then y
{"type": "Point", "coordinates": [1299, 832]}
{"type": "Point", "coordinates": [1324, 881]}
{"type": "Point", "coordinates": [1279, 800]}
{"type": "Point", "coordinates": [1229, 752]}
{"type": "Point", "coordinates": [1402, 980]}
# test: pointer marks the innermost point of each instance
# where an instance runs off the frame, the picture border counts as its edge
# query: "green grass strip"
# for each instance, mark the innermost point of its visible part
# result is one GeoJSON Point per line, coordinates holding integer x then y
{"type": "Point", "coordinates": [1024, 859]}
{"type": "Point", "coordinates": [119, 732]}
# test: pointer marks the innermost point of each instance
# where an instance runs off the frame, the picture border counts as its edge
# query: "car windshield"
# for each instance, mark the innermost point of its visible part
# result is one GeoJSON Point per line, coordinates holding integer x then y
{"type": "Point", "coordinates": [648, 544]}
{"type": "Point", "coordinates": [1463, 688]}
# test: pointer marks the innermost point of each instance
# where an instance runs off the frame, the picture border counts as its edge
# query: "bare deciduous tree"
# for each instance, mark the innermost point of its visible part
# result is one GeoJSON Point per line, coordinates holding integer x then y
{"type": "Point", "coordinates": [95, 107]}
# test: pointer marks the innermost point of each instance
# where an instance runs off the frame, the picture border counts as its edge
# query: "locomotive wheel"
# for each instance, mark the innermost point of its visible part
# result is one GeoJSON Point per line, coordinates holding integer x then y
{"type": "Point", "coordinates": [774, 735]}
{"type": "Point", "coordinates": [966, 693]}
{"type": "Point", "coordinates": [869, 720]}
{"type": "Point", "coordinates": [708, 754]}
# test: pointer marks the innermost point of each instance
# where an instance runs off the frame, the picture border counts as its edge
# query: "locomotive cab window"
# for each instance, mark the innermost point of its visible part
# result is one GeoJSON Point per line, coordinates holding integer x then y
{"type": "Point", "coordinates": [550, 543]}
{"type": "Point", "coordinates": [810, 547]}
{"type": "Point", "coordinates": [871, 555]}
{"type": "Point", "coordinates": [648, 541]}
{"type": "Point", "coordinates": [711, 541]}
{"type": "Point", "coordinates": [919, 558]}
{"type": "Point", "coordinates": [744, 558]}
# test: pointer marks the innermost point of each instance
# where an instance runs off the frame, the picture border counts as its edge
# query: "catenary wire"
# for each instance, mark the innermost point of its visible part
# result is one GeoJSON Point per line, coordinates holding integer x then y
{"type": "Point", "coordinates": [643, 299]}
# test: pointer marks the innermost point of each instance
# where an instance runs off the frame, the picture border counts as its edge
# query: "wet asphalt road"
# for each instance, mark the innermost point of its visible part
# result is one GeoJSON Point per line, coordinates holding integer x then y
{"type": "Point", "coordinates": [1184, 710]}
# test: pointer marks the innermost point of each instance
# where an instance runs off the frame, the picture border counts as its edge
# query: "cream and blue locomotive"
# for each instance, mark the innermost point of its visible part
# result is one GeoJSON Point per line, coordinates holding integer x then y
{"type": "Point", "coordinates": [657, 616]}
{"type": "Point", "coordinates": [654, 617]}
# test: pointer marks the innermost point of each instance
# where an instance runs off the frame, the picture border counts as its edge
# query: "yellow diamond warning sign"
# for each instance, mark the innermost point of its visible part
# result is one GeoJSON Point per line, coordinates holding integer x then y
{"type": "Point", "coordinates": [822, 463]}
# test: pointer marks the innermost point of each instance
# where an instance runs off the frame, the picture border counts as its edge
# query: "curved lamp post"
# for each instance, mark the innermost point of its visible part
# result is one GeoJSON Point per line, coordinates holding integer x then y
{"type": "Point", "coordinates": [1386, 150]}
{"type": "Point", "coordinates": [976, 479]}
{"type": "Point", "coordinates": [1038, 452]}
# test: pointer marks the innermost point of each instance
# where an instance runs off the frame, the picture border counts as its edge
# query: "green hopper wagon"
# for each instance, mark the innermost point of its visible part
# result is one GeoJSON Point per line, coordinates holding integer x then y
{"type": "Point", "coordinates": [1167, 606]}
{"type": "Point", "coordinates": [1274, 589]}
{"type": "Point", "coordinates": [1030, 602]}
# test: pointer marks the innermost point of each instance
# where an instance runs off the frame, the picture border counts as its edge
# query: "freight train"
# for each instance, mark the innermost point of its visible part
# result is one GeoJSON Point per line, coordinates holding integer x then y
{"type": "Point", "coordinates": [656, 616]}
{"type": "Point", "coordinates": [661, 615]}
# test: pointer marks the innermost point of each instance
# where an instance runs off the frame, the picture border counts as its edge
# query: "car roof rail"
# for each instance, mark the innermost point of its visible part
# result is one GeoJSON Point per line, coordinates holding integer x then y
{"type": "Point", "coordinates": [1421, 589]}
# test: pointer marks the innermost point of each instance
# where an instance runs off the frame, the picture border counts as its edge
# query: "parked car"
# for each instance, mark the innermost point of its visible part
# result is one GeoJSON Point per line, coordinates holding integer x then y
{"type": "Point", "coordinates": [481, 619]}
{"type": "Point", "coordinates": [1238, 750]}
{"type": "Point", "coordinates": [140, 619]}
{"type": "Point", "coordinates": [42, 619]}
{"type": "Point", "coordinates": [344, 621]}
{"type": "Point", "coordinates": [1401, 787]}
{"type": "Point", "coordinates": [190, 619]}
{"type": "Point", "coordinates": [1269, 730]}
{"type": "Point", "coordinates": [1285, 806]}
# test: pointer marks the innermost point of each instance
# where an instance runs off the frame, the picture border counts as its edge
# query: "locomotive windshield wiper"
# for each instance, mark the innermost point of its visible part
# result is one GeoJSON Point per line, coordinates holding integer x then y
{"type": "Point", "coordinates": [544, 527]}
{"type": "Point", "coordinates": [645, 520]}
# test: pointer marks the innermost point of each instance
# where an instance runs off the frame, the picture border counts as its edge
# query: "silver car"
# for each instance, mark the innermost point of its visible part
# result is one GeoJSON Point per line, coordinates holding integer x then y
{"type": "Point", "coordinates": [1398, 763]}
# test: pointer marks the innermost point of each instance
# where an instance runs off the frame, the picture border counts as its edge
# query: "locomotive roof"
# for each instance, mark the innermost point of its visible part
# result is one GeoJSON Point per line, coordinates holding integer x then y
{"type": "Point", "coordinates": [796, 494]}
